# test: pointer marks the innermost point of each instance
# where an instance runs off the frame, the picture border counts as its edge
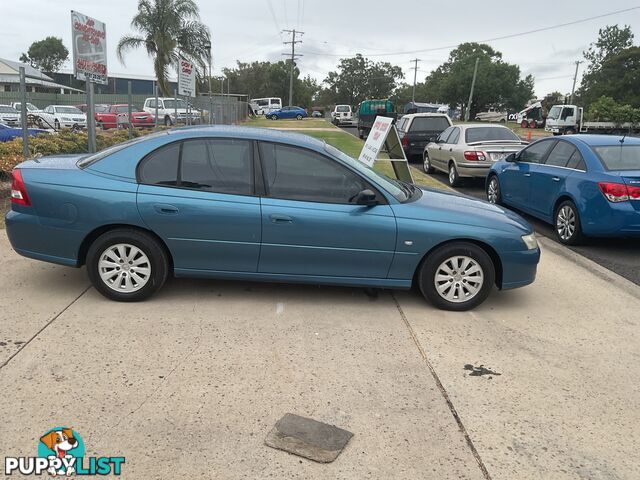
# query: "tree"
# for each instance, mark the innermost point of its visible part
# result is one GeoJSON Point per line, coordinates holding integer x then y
{"type": "Point", "coordinates": [618, 77]}
{"type": "Point", "coordinates": [611, 41]}
{"type": "Point", "coordinates": [606, 109]}
{"type": "Point", "coordinates": [498, 83]}
{"type": "Point", "coordinates": [47, 55]}
{"type": "Point", "coordinates": [168, 30]}
{"type": "Point", "coordinates": [358, 78]}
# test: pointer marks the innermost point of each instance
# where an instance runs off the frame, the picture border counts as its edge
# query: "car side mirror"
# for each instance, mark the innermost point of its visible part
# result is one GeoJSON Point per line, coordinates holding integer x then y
{"type": "Point", "coordinates": [366, 197]}
{"type": "Point", "coordinates": [512, 157]}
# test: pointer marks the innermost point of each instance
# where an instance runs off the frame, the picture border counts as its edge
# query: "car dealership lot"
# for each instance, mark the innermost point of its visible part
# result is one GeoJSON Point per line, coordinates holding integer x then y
{"type": "Point", "coordinates": [191, 381]}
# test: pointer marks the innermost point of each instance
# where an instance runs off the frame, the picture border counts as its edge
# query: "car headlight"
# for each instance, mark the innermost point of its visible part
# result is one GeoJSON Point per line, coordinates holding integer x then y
{"type": "Point", "coordinates": [530, 241]}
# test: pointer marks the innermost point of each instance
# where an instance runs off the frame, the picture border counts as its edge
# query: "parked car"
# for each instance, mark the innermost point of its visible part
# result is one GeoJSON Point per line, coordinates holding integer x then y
{"type": "Point", "coordinates": [31, 108]}
{"type": "Point", "coordinates": [98, 107]}
{"type": "Point", "coordinates": [317, 114]}
{"type": "Point", "coordinates": [368, 110]}
{"type": "Point", "coordinates": [584, 185]}
{"type": "Point", "coordinates": [416, 130]}
{"type": "Point", "coordinates": [62, 116]}
{"type": "Point", "coordinates": [492, 115]}
{"type": "Point", "coordinates": [8, 133]}
{"type": "Point", "coordinates": [186, 202]}
{"type": "Point", "coordinates": [168, 108]}
{"type": "Point", "coordinates": [116, 116]}
{"type": "Point", "coordinates": [342, 114]}
{"type": "Point", "coordinates": [288, 112]}
{"type": "Point", "coordinates": [9, 115]}
{"type": "Point", "coordinates": [469, 150]}
{"type": "Point", "coordinates": [267, 105]}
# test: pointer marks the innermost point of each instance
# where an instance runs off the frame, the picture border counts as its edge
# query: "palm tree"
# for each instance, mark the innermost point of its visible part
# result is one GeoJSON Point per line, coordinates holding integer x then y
{"type": "Point", "coordinates": [168, 29]}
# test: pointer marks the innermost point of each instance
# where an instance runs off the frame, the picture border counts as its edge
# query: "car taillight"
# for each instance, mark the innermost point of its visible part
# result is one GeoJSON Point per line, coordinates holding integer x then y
{"type": "Point", "coordinates": [474, 156]}
{"type": "Point", "coordinates": [405, 141]}
{"type": "Point", "coordinates": [18, 190]}
{"type": "Point", "coordinates": [619, 192]}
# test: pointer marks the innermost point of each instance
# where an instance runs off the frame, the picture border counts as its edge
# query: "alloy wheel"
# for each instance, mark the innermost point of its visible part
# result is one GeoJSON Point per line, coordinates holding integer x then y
{"type": "Point", "coordinates": [124, 268]}
{"type": "Point", "coordinates": [458, 279]}
{"type": "Point", "coordinates": [566, 222]}
{"type": "Point", "coordinates": [492, 191]}
{"type": "Point", "coordinates": [453, 175]}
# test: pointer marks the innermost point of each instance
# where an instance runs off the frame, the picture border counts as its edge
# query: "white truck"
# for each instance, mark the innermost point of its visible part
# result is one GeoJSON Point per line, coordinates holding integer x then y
{"type": "Point", "coordinates": [569, 119]}
{"type": "Point", "coordinates": [171, 111]}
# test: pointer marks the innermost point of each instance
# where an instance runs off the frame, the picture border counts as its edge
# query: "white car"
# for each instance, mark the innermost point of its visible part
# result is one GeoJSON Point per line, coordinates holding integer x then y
{"type": "Point", "coordinates": [62, 116]}
{"type": "Point", "coordinates": [31, 108]}
{"type": "Point", "coordinates": [167, 109]}
{"type": "Point", "coordinates": [9, 116]}
{"type": "Point", "coordinates": [342, 114]}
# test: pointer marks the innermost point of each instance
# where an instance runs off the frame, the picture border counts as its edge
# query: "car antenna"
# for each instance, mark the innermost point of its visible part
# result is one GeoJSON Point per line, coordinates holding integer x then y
{"type": "Point", "coordinates": [623, 137]}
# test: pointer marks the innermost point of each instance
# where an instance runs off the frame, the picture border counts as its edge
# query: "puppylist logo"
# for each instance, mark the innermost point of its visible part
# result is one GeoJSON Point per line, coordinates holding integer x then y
{"type": "Point", "coordinates": [61, 452]}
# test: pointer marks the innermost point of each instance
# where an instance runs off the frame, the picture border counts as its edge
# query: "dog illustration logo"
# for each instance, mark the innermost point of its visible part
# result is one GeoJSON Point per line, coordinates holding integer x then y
{"type": "Point", "coordinates": [64, 444]}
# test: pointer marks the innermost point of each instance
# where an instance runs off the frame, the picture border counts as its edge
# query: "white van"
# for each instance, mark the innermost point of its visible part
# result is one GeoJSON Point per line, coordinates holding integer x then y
{"type": "Point", "coordinates": [342, 114]}
{"type": "Point", "coordinates": [267, 105]}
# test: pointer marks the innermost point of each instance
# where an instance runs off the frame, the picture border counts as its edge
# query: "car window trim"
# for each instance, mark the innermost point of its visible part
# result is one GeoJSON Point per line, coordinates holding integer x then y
{"type": "Point", "coordinates": [179, 172]}
{"type": "Point", "coordinates": [379, 195]}
{"type": "Point", "coordinates": [546, 154]}
{"type": "Point", "coordinates": [576, 150]}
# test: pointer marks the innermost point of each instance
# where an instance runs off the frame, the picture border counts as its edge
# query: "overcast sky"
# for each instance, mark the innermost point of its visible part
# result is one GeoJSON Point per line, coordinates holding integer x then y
{"type": "Point", "coordinates": [249, 30]}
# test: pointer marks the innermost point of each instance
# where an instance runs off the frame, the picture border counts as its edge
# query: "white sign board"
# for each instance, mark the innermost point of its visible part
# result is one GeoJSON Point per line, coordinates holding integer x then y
{"type": "Point", "coordinates": [186, 78]}
{"type": "Point", "coordinates": [375, 140]}
{"type": "Point", "coordinates": [89, 45]}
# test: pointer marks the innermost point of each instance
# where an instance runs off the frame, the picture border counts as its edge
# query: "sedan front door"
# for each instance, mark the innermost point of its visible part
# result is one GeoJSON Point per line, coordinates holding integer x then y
{"type": "Point", "coordinates": [515, 179]}
{"type": "Point", "coordinates": [310, 223]}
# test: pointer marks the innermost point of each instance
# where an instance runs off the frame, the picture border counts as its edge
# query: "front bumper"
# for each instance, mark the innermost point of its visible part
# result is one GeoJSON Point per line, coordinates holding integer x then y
{"type": "Point", "coordinates": [519, 268]}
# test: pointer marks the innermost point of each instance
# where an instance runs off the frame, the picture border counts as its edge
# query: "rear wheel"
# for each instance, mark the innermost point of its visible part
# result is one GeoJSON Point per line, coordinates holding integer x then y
{"type": "Point", "coordinates": [298, 117]}
{"type": "Point", "coordinates": [567, 223]}
{"type": "Point", "coordinates": [524, 124]}
{"type": "Point", "coordinates": [127, 265]}
{"type": "Point", "coordinates": [56, 124]}
{"type": "Point", "coordinates": [532, 124]}
{"type": "Point", "coordinates": [494, 195]}
{"type": "Point", "coordinates": [454, 178]}
{"type": "Point", "coordinates": [426, 165]}
{"type": "Point", "coordinates": [569, 131]}
{"type": "Point", "coordinates": [457, 276]}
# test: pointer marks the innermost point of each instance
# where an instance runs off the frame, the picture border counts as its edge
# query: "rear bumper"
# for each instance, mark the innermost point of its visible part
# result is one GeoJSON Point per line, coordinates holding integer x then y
{"type": "Point", "coordinates": [621, 220]}
{"type": "Point", "coordinates": [474, 169]}
{"type": "Point", "coordinates": [519, 268]}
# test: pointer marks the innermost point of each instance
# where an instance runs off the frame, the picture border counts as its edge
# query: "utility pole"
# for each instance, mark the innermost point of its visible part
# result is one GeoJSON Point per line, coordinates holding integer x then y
{"type": "Point", "coordinates": [467, 112]}
{"type": "Point", "coordinates": [575, 78]}
{"type": "Point", "coordinates": [293, 42]}
{"type": "Point", "coordinates": [415, 75]}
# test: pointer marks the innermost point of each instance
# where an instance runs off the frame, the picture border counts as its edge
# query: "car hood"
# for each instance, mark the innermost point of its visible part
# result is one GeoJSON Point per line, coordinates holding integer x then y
{"type": "Point", "coordinates": [451, 207]}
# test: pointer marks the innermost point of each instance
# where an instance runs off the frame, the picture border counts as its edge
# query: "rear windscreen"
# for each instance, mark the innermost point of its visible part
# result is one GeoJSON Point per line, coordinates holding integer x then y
{"type": "Point", "coordinates": [343, 108]}
{"type": "Point", "coordinates": [483, 134]}
{"type": "Point", "coordinates": [619, 157]}
{"type": "Point", "coordinates": [429, 124]}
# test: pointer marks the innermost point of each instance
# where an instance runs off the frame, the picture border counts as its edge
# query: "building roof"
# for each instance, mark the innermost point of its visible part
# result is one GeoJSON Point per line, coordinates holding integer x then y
{"type": "Point", "coordinates": [29, 71]}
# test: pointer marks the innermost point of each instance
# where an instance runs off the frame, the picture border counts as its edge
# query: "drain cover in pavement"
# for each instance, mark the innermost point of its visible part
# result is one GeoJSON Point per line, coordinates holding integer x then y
{"type": "Point", "coordinates": [308, 438]}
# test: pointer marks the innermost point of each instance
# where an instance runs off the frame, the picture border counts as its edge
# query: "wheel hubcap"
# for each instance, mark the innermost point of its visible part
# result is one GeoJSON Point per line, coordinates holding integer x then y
{"type": "Point", "coordinates": [427, 163]}
{"type": "Point", "coordinates": [124, 268]}
{"type": "Point", "coordinates": [458, 279]}
{"type": "Point", "coordinates": [492, 191]}
{"type": "Point", "coordinates": [452, 174]}
{"type": "Point", "coordinates": [566, 222]}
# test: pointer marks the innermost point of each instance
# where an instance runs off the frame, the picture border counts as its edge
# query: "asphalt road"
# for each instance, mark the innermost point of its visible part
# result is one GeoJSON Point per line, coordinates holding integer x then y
{"type": "Point", "coordinates": [621, 256]}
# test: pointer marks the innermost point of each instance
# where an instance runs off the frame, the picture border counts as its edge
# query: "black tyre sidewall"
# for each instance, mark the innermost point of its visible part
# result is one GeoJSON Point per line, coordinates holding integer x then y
{"type": "Point", "coordinates": [577, 234]}
{"type": "Point", "coordinates": [499, 196]}
{"type": "Point", "coordinates": [149, 245]}
{"type": "Point", "coordinates": [456, 180]}
{"type": "Point", "coordinates": [428, 268]}
{"type": "Point", "coordinates": [426, 169]}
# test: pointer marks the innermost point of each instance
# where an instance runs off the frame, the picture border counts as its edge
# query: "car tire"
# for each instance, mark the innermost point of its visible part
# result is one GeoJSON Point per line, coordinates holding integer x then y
{"type": "Point", "coordinates": [444, 283]}
{"type": "Point", "coordinates": [502, 120]}
{"type": "Point", "coordinates": [118, 260]}
{"type": "Point", "coordinates": [56, 125]}
{"type": "Point", "coordinates": [524, 124]}
{"type": "Point", "coordinates": [167, 121]}
{"type": "Point", "coordinates": [569, 131]}
{"type": "Point", "coordinates": [360, 133]}
{"type": "Point", "coordinates": [298, 117]}
{"type": "Point", "coordinates": [494, 195]}
{"type": "Point", "coordinates": [566, 222]}
{"type": "Point", "coordinates": [426, 163]}
{"type": "Point", "coordinates": [532, 124]}
{"type": "Point", "coordinates": [274, 117]}
{"type": "Point", "coordinates": [454, 178]}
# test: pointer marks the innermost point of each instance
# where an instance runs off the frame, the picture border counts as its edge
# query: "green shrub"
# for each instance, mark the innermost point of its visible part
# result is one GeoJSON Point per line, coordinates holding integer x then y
{"type": "Point", "coordinates": [606, 109]}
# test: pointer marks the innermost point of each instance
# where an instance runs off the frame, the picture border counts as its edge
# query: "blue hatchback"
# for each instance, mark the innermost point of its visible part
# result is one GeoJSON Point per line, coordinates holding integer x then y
{"type": "Point", "coordinates": [585, 185]}
{"type": "Point", "coordinates": [288, 112]}
{"type": "Point", "coordinates": [258, 204]}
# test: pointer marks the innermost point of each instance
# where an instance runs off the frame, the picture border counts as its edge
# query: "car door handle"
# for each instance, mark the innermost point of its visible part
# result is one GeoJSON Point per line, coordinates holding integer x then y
{"type": "Point", "coordinates": [280, 219]}
{"type": "Point", "coordinates": [556, 179]}
{"type": "Point", "coordinates": [165, 208]}
{"type": "Point", "coordinates": [451, 149]}
{"type": "Point", "coordinates": [527, 174]}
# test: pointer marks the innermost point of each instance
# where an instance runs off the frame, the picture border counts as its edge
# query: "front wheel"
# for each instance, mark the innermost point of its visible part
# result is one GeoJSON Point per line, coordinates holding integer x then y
{"type": "Point", "coordinates": [494, 195]}
{"type": "Point", "coordinates": [274, 117]}
{"type": "Point", "coordinates": [56, 125]}
{"type": "Point", "coordinates": [298, 117]}
{"type": "Point", "coordinates": [426, 164]}
{"type": "Point", "coordinates": [167, 121]}
{"type": "Point", "coordinates": [454, 178]}
{"type": "Point", "coordinates": [457, 276]}
{"type": "Point", "coordinates": [127, 265]}
{"type": "Point", "coordinates": [567, 222]}
{"type": "Point", "coordinates": [524, 124]}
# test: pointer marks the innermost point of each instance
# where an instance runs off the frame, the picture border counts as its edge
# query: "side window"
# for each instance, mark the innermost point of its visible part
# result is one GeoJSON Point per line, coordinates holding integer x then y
{"type": "Point", "coordinates": [297, 174]}
{"type": "Point", "coordinates": [577, 162]}
{"type": "Point", "coordinates": [443, 137]}
{"type": "Point", "coordinates": [151, 104]}
{"type": "Point", "coordinates": [534, 153]}
{"type": "Point", "coordinates": [560, 154]}
{"type": "Point", "coordinates": [161, 167]}
{"type": "Point", "coordinates": [455, 135]}
{"type": "Point", "coordinates": [401, 124]}
{"type": "Point", "coordinates": [566, 113]}
{"type": "Point", "coordinates": [217, 165]}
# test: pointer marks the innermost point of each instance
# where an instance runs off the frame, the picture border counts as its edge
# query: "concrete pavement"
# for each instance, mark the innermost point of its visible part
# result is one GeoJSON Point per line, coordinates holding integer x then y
{"type": "Point", "coordinates": [190, 382]}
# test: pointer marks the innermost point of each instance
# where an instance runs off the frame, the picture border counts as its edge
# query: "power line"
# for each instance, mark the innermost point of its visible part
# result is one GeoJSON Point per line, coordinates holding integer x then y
{"type": "Point", "coordinates": [503, 37]}
{"type": "Point", "coordinates": [286, 17]}
{"type": "Point", "coordinates": [275, 20]}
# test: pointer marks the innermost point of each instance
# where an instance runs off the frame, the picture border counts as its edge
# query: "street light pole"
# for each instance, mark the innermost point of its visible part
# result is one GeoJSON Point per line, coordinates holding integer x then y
{"type": "Point", "coordinates": [208, 47]}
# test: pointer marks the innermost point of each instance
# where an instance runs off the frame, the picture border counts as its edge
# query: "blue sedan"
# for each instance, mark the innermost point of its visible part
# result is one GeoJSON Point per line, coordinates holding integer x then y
{"type": "Point", "coordinates": [288, 112]}
{"type": "Point", "coordinates": [257, 204]}
{"type": "Point", "coordinates": [585, 185]}
{"type": "Point", "coordinates": [8, 133]}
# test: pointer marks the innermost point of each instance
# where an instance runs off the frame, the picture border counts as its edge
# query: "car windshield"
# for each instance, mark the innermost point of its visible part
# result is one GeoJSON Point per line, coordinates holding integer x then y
{"type": "Point", "coordinates": [488, 134]}
{"type": "Point", "coordinates": [619, 157]}
{"type": "Point", "coordinates": [429, 124]}
{"type": "Point", "coordinates": [101, 108]}
{"type": "Point", "coordinates": [343, 108]}
{"type": "Point", "coordinates": [5, 109]}
{"type": "Point", "coordinates": [86, 161]}
{"type": "Point", "coordinates": [554, 113]}
{"type": "Point", "coordinates": [396, 188]}
{"type": "Point", "coordinates": [73, 110]}
{"type": "Point", "coordinates": [172, 104]}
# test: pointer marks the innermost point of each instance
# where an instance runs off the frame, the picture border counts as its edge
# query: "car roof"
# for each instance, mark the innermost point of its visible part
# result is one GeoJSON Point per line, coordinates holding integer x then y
{"type": "Point", "coordinates": [434, 114]}
{"type": "Point", "coordinates": [484, 125]}
{"type": "Point", "coordinates": [252, 133]}
{"type": "Point", "coordinates": [594, 140]}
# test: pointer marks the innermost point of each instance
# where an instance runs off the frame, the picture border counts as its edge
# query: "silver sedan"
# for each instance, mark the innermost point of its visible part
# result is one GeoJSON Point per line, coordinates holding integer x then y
{"type": "Point", "coordinates": [469, 150]}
